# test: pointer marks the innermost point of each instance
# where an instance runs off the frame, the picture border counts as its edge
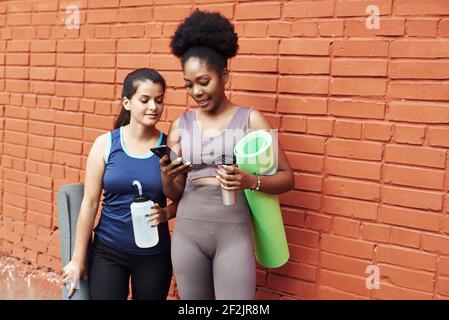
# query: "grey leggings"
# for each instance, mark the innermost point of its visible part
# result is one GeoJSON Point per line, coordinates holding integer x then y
{"type": "Point", "coordinates": [213, 257]}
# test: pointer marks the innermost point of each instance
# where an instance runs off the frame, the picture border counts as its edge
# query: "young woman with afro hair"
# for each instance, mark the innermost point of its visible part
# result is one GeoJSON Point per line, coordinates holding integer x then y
{"type": "Point", "coordinates": [212, 249]}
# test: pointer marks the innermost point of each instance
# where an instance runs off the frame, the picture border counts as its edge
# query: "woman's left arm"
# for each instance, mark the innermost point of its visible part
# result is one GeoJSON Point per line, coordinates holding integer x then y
{"type": "Point", "coordinates": [278, 183]}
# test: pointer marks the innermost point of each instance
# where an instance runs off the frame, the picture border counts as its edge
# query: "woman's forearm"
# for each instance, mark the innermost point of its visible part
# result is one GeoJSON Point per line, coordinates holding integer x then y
{"type": "Point", "coordinates": [281, 182]}
{"type": "Point", "coordinates": [172, 189]}
{"type": "Point", "coordinates": [171, 210]}
{"type": "Point", "coordinates": [84, 227]}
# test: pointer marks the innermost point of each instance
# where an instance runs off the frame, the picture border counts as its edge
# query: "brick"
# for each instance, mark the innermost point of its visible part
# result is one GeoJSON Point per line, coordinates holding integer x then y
{"type": "Point", "coordinates": [435, 243]}
{"type": "Point", "coordinates": [279, 29]}
{"type": "Point", "coordinates": [69, 60]}
{"type": "Point", "coordinates": [347, 247]}
{"type": "Point", "coordinates": [406, 257]}
{"type": "Point", "coordinates": [17, 59]}
{"type": "Point", "coordinates": [294, 124]}
{"type": "Point", "coordinates": [405, 237]}
{"type": "Point", "coordinates": [409, 218]}
{"type": "Point", "coordinates": [258, 46]}
{"type": "Point", "coordinates": [289, 65]}
{"type": "Point", "coordinates": [309, 9]}
{"type": "Point", "coordinates": [301, 199]}
{"type": "Point", "coordinates": [327, 293]}
{"type": "Point", "coordinates": [421, 156]}
{"type": "Point", "coordinates": [348, 129]}
{"type": "Point", "coordinates": [359, 8]}
{"type": "Point", "coordinates": [309, 163]}
{"type": "Point", "coordinates": [42, 73]}
{"type": "Point", "coordinates": [316, 47]}
{"type": "Point", "coordinates": [70, 46]}
{"type": "Point", "coordinates": [443, 28]}
{"type": "Point", "coordinates": [359, 67]}
{"type": "Point", "coordinates": [376, 232]}
{"type": "Point", "coordinates": [421, 91]}
{"type": "Point", "coordinates": [17, 73]}
{"type": "Point", "coordinates": [353, 169]}
{"type": "Point", "coordinates": [416, 7]}
{"type": "Point", "coordinates": [304, 29]}
{"type": "Point", "coordinates": [248, 11]}
{"type": "Point", "coordinates": [69, 89]}
{"type": "Point", "coordinates": [99, 91]}
{"type": "Point", "coordinates": [298, 271]}
{"type": "Point", "coordinates": [306, 85]}
{"type": "Point", "coordinates": [360, 48]}
{"type": "Point", "coordinates": [343, 264]}
{"type": "Point", "coordinates": [127, 31]}
{"type": "Point", "coordinates": [100, 60]}
{"type": "Point", "coordinates": [299, 288]}
{"type": "Point", "coordinates": [69, 146]}
{"type": "Point", "coordinates": [302, 237]}
{"type": "Point", "coordinates": [414, 177]}
{"type": "Point", "coordinates": [352, 189]}
{"type": "Point", "coordinates": [302, 143]}
{"type": "Point", "coordinates": [43, 46]}
{"type": "Point", "coordinates": [419, 49]}
{"type": "Point", "coordinates": [358, 86]}
{"type": "Point", "coordinates": [99, 75]}
{"type": "Point", "coordinates": [417, 280]}
{"type": "Point", "coordinates": [387, 27]}
{"type": "Point", "coordinates": [331, 28]}
{"type": "Point", "coordinates": [409, 134]}
{"type": "Point", "coordinates": [351, 208]}
{"type": "Point", "coordinates": [302, 105]}
{"type": "Point", "coordinates": [422, 112]}
{"type": "Point", "coordinates": [320, 126]}
{"type": "Point", "coordinates": [102, 16]}
{"type": "Point", "coordinates": [262, 102]}
{"type": "Point", "coordinates": [415, 69]}
{"type": "Point", "coordinates": [354, 149]}
{"type": "Point", "coordinates": [135, 15]}
{"type": "Point", "coordinates": [308, 182]}
{"type": "Point", "coordinates": [100, 46]}
{"type": "Point", "coordinates": [249, 82]}
{"type": "Point", "coordinates": [254, 64]}
{"type": "Point", "coordinates": [134, 46]}
{"type": "Point", "coordinates": [345, 282]}
{"type": "Point", "coordinates": [422, 27]}
{"type": "Point", "coordinates": [357, 109]}
{"type": "Point", "coordinates": [438, 136]}
{"type": "Point", "coordinates": [170, 13]}
{"type": "Point", "coordinates": [164, 62]}
{"type": "Point", "coordinates": [346, 227]}
{"type": "Point", "coordinates": [255, 29]}
{"type": "Point", "coordinates": [413, 198]}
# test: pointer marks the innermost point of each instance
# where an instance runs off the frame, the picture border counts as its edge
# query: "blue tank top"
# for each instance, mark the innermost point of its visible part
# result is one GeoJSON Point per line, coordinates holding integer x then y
{"type": "Point", "coordinates": [115, 226]}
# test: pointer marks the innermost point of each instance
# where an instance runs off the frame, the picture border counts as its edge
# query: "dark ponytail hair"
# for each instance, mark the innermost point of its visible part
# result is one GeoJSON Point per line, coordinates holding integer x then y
{"type": "Point", "coordinates": [130, 84]}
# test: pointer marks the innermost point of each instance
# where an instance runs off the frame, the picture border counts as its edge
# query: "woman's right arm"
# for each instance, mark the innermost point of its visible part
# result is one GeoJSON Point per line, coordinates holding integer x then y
{"type": "Point", "coordinates": [92, 192]}
{"type": "Point", "coordinates": [173, 176]}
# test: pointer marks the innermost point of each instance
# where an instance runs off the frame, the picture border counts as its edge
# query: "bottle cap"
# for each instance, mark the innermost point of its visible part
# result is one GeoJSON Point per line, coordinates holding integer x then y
{"type": "Point", "coordinates": [141, 198]}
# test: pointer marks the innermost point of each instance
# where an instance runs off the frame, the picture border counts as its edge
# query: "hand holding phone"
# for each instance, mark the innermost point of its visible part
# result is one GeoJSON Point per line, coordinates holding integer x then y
{"type": "Point", "coordinates": [163, 150]}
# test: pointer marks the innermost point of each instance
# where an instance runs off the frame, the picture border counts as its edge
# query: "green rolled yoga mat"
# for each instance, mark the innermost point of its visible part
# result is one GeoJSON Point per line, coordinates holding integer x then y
{"type": "Point", "coordinates": [255, 154]}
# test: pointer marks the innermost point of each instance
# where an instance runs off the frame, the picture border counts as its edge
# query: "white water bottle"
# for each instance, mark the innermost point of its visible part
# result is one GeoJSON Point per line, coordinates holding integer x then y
{"type": "Point", "coordinates": [145, 234]}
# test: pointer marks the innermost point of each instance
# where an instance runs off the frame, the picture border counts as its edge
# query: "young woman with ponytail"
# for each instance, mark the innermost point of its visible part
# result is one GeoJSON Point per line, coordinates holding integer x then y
{"type": "Point", "coordinates": [116, 159]}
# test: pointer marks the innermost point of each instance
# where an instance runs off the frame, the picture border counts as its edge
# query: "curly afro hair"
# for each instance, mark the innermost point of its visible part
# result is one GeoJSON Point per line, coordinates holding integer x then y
{"type": "Point", "coordinates": [205, 35]}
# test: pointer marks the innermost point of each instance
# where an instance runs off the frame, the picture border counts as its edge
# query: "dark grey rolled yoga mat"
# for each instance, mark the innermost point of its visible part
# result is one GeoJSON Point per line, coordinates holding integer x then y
{"type": "Point", "coordinates": [69, 203]}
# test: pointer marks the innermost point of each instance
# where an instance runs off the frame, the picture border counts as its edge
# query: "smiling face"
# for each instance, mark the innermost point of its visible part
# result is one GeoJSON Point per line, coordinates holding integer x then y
{"type": "Point", "coordinates": [147, 104]}
{"type": "Point", "coordinates": [204, 84]}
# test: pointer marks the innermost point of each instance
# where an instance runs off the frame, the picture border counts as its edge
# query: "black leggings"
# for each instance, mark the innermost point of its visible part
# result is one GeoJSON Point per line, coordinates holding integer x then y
{"type": "Point", "coordinates": [111, 269]}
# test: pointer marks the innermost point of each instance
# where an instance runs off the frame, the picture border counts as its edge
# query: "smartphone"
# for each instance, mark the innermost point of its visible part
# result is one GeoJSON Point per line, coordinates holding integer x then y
{"type": "Point", "coordinates": [163, 150]}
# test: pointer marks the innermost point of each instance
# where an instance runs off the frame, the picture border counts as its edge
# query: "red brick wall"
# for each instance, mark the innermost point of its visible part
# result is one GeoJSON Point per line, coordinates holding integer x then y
{"type": "Point", "coordinates": [363, 117]}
